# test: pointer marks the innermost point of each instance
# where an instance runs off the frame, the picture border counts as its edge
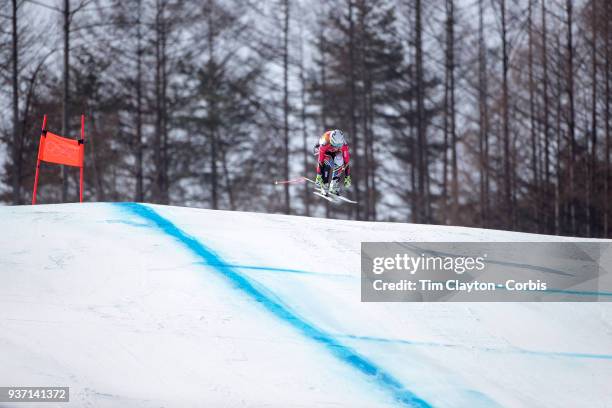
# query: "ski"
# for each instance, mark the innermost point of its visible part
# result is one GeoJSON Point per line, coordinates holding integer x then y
{"type": "Point", "coordinates": [328, 198]}
{"type": "Point", "coordinates": [334, 198]}
{"type": "Point", "coordinates": [342, 198]}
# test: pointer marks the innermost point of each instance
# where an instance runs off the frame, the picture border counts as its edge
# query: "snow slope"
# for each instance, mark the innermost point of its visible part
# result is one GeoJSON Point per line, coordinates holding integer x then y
{"type": "Point", "coordinates": [148, 306]}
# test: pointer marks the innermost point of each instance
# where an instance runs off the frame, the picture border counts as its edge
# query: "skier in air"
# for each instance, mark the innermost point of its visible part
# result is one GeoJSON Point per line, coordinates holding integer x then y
{"type": "Point", "coordinates": [333, 158]}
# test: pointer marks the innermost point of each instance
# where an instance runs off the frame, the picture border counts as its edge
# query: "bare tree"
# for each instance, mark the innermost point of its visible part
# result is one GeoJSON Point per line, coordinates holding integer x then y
{"type": "Point", "coordinates": [449, 102]}
{"type": "Point", "coordinates": [67, 19]}
{"type": "Point", "coordinates": [507, 175]}
{"type": "Point", "coordinates": [571, 121]}
{"type": "Point", "coordinates": [606, 204]}
{"type": "Point", "coordinates": [593, 161]}
{"type": "Point", "coordinates": [422, 164]}
{"type": "Point", "coordinates": [545, 119]}
{"type": "Point", "coordinates": [305, 147]}
{"type": "Point", "coordinates": [483, 125]}
{"type": "Point", "coordinates": [15, 87]}
{"type": "Point", "coordinates": [139, 193]}
{"type": "Point", "coordinates": [559, 133]}
{"type": "Point", "coordinates": [160, 155]}
{"type": "Point", "coordinates": [286, 153]}
{"type": "Point", "coordinates": [532, 124]}
{"type": "Point", "coordinates": [353, 95]}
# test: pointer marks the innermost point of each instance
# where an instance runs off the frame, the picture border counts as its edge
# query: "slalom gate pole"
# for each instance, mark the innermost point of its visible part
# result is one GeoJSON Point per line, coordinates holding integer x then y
{"type": "Point", "coordinates": [40, 148]}
{"type": "Point", "coordinates": [83, 161]}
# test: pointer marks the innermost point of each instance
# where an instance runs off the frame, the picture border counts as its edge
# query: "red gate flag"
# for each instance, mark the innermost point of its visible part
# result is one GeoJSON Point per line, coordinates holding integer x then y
{"type": "Point", "coordinates": [61, 150]}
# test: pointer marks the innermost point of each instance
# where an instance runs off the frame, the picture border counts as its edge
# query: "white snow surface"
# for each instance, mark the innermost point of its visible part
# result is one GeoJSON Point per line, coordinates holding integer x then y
{"type": "Point", "coordinates": [103, 300]}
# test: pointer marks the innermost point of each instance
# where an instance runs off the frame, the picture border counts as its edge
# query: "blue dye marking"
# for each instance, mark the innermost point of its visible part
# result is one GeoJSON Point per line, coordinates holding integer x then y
{"type": "Point", "coordinates": [273, 269]}
{"type": "Point", "coordinates": [488, 349]}
{"type": "Point", "coordinates": [131, 223]}
{"type": "Point", "coordinates": [344, 353]}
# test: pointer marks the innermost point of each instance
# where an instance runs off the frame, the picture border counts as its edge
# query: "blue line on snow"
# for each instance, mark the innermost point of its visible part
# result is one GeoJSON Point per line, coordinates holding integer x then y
{"type": "Point", "coordinates": [275, 269]}
{"type": "Point", "coordinates": [344, 353]}
{"type": "Point", "coordinates": [488, 349]}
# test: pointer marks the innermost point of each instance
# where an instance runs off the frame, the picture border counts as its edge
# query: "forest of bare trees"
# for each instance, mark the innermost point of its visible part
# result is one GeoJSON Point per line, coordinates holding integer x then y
{"type": "Point", "coordinates": [485, 113]}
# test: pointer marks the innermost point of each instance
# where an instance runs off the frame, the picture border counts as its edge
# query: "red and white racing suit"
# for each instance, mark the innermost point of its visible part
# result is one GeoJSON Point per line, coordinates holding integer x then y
{"type": "Point", "coordinates": [330, 156]}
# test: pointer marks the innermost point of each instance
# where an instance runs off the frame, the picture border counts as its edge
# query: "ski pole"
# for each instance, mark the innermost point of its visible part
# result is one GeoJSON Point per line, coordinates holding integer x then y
{"type": "Point", "coordinates": [293, 181]}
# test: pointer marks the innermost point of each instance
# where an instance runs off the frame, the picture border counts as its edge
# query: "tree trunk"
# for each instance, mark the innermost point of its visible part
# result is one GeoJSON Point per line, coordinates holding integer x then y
{"type": "Point", "coordinates": [606, 202]}
{"type": "Point", "coordinates": [157, 139]}
{"type": "Point", "coordinates": [483, 119]}
{"type": "Point", "coordinates": [372, 163]}
{"type": "Point", "coordinates": [97, 175]}
{"type": "Point", "coordinates": [353, 95]}
{"type": "Point", "coordinates": [414, 202]}
{"type": "Point", "coordinates": [228, 180]}
{"type": "Point", "coordinates": [16, 151]}
{"type": "Point", "coordinates": [307, 187]}
{"type": "Point", "coordinates": [534, 144]}
{"type": "Point", "coordinates": [446, 123]}
{"type": "Point", "coordinates": [139, 197]}
{"type": "Point", "coordinates": [546, 191]}
{"type": "Point", "coordinates": [161, 137]}
{"type": "Point", "coordinates": [212, 114]}
{"type": "Point", "coordinates": [506, 122]}
{"type": "Point", "coordinates": [445, 218]}
{"type": "Point", "coordinates": [571, 116]}
{"type": "Point", "coordinates": [164, 117]}
{"type": "Point", "coordinates": [421, 141]}
{"type": "Point", "coordinates": [66, 94]}
{"type": "Point", "coordinates": [324, 98]}
{"type": "Point", "coordinates": [558, 158]}
{"type": "Point", "coordinates": [367, 143]}
{"type": "Point", "coordinates": [593, 161]}
{"type": "Point", "coordinates": [411, 148]}
{"type": "Point", "coordinates": [213, 170]}
{"type": "Point", "coordinates": [286, 104]}
{"type": "Point", "coordinates": [571, 121]}
{"type": "Point", "coordinates": [450, 28]}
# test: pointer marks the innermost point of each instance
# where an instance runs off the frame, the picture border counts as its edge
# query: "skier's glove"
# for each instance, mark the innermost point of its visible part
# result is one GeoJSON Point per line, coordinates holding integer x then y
{"type": "Point", "coordinates": [347, 181]}
{"type": "Point", "coordinates": [319, 180]}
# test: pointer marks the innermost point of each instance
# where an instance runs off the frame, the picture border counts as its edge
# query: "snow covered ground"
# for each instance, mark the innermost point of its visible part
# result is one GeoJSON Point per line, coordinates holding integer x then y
{"type": "Point", "coordinates": [149, 306]}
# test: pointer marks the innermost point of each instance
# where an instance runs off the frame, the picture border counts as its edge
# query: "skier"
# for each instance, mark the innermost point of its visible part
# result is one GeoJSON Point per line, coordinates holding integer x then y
{"type": "Point", "coordinates": [332, 153]}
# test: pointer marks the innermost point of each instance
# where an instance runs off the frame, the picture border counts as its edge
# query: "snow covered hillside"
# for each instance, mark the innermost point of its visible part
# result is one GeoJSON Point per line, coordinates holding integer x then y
{"type": "Point", "coordinates": [149, 306]}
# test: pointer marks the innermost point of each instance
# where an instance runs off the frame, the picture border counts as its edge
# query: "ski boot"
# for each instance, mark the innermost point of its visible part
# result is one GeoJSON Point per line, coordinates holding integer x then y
{"type": "Point", "coordinates": [319, 184]}
{"type": "Point", "coordinates": [324, 189]}
{"type": "Point", "coordinates": [333, 187]}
